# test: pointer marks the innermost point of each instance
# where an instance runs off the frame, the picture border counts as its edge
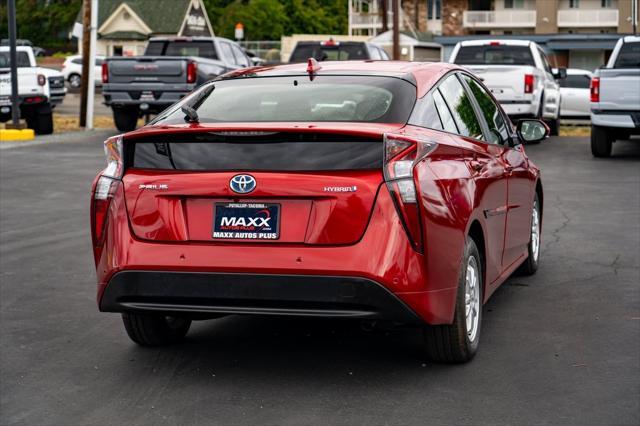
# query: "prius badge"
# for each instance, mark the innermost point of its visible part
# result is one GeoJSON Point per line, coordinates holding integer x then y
{"type": "Point", "coordinates": [242, 184]}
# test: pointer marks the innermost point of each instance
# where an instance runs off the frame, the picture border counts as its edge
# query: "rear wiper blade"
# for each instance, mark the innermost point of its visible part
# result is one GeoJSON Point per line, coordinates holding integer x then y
{"type": "Point", "coordinates": [189, 108]}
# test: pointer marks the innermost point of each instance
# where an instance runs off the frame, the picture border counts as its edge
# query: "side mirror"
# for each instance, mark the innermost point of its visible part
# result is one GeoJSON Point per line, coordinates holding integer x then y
{"type": "Point", "coordinates": [532, 131]}
{"type": "Point", "coordinates": [559, 73]}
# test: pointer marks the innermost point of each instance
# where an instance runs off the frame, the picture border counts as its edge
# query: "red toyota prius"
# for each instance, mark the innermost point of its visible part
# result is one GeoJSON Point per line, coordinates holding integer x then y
{"type": "Point", "coordinates": [379, 191]}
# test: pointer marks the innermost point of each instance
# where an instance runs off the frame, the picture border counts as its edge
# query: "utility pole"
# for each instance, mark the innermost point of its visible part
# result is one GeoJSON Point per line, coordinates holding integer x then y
{"type": "Point", "coordinates": [396, 30]}
{"type": "Point", "coordinates": [91, 86]}
{"type": "Point", "coordinates": [15, 108]}
{"type": "Point", "coordinates": [86, 52]}
{"type": "Point", "coordinates": [384, 10]}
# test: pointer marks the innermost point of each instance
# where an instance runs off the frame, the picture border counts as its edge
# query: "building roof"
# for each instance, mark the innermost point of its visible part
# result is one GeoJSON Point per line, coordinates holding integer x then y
{"type": "Point", "coordinates": [162, 16]}
{"type": "Point", "coordinates": [124, 35]}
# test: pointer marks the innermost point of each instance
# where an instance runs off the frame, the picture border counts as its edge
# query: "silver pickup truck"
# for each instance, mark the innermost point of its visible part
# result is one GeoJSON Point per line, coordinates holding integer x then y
{"type": "Point", "coordinates": [170, 68]}
{"type": "Point", "coordinates": [615, 97]}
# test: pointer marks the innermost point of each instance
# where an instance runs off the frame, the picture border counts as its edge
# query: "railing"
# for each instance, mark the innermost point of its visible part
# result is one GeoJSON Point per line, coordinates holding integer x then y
{"type": "Point", "coordinates": [588, 18]}
{"type": "Point", "coordinates": [267, 50]}
{"type": "Point", "coordinates": [370, 20]}
{"type": "Point", "coordinates": [499, 19]}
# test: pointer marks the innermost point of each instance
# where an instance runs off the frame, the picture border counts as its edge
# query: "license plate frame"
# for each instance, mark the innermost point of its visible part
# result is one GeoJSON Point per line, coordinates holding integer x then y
{"type": "Point", "coordinates": [255, 221]}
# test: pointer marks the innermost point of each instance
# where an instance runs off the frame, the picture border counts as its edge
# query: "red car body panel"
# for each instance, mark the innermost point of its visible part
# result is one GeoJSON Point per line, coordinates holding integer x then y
{"type": "Point", "coordinates": [461, 184]}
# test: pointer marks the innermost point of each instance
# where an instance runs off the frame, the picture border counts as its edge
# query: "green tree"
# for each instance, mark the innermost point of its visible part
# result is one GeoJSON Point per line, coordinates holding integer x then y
{"type": "Point", "coordinates": [262, 19]}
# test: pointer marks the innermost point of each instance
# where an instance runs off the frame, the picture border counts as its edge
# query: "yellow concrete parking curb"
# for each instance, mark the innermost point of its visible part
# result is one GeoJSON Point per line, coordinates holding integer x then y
{"type": "Point", "coordinates": [12, 135]}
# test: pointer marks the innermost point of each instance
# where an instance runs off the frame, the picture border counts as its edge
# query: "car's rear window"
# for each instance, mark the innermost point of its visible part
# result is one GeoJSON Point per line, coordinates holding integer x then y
{"type": "Point", "coordinates": [22, 60]}
{"type": "Point", "coordinates": [301, 99]}
{"type": "Point", "coordinates": [339, 52]}
{"type": "Point", "coordinates": [629, 56]}
{"type": "Point", "coordinates": [494, 55]}
{"type": "Point", "coordinates": [576, 81]}
{"type": "Point", "coordinates": [262, 152]}
{"type": "Point", "coordinates": [203, 49]}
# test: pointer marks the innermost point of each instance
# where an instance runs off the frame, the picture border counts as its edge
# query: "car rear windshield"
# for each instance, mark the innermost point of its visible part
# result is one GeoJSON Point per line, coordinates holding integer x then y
{"type": "Point", "coordinates": [577, 81]}
{"type": "Point", "coordinates": [23, 60]}
{"type": "Point", "coordinates": [299, 98]}
{"type": "Point", "coordinates": [263, 152]}
{"type": "Point", "coordinates": [203, 49]}
{"type": "Point", "coordinates": [495, 55]}
{"type": "Point", "coordinates": [339, 52]}
{"type": "Point", "coordinates": [629, 56]}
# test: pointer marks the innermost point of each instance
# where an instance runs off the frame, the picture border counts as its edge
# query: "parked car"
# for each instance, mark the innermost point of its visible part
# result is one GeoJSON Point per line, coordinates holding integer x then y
{"type": "Point", "coordinates": [37, 51]}
{"type": "Point", "coordinates": [170, 68]}
{"type": "Point", "coordinates": [336, 51]}
{"type": "Point", "coordinates": [39, 90]}
{"type": "Point", "coordinates": [518, 74]}
{"type": "Point", "coordinates": [347, 190]}
{"type": "Point", "coordinates": [615, 97]}
{"type": "Point", "coordinates": [574, 92]}
{"type": "Point", "coordinates": [72, 70]}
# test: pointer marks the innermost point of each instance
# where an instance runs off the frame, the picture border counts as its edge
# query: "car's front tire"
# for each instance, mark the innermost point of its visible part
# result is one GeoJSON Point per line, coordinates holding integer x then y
{"type": "Point", "coordinates": [601, 142]}
{"type": "Point", "coordinates": [530, 266]}
{"type": "Point", "coordinates": [75, 81]}
{"type": "Point", "coordinates": [155, 329]}
{"type": "Point", "coordinates": [458, 342]}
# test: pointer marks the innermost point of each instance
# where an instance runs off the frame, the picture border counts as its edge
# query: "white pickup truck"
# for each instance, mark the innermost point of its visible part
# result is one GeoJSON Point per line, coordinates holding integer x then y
{"type": "Point", "coordinates": [39, 90]}
{"type": "Point", "coordinates": [615, 97]}
{"type": "Point", "coordinates": [518, 74]}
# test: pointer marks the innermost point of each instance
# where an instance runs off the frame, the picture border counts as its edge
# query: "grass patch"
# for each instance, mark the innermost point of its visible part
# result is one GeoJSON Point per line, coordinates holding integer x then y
{"type": "Point", "coordinates": [580, 131]}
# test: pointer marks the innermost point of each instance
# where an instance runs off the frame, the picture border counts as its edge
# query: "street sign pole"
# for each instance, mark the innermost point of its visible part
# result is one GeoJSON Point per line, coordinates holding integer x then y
{"type": "Point", "coordinates": [91, 86]}
{"type": "Point", "coordinates": [13, 58]}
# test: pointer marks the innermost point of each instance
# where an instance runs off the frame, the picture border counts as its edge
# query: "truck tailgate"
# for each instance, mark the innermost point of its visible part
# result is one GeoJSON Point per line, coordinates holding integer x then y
{"type": "Point", "coordinates": [619, 89]}
{"type": "Point", "coordinates": [506, 82]}
{"type": "Point", "coordinates": [160, 69]}
{"type": "Point", "coordinates": [27, 82]}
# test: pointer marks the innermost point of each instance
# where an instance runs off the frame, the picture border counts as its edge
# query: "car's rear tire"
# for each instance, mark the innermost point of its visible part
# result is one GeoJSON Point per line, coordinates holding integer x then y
{"type": "Point", "coordinates": [530, 266]}
{"type": "Point", "coordinates": [601, 142]}
{"type": "Point", "coordinates": [554, 126]}
{"type": "Point", "coordinates": [40, 119]}
{"type": "Point", "coordinates": [125, 118]}
{"type": "Point", "coordinates": [155, 329]}
{"type": "Point", "coordinates": [458, 342]}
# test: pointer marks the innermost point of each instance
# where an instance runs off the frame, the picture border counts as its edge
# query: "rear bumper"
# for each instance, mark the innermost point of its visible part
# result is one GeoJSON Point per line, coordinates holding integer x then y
{"type": "Point", "coordinates": [523, 109]}
{"type": "Point", "coordinates": [219, 293]}
{"type": "Point", "coordinates": [616, 118]}
{"type": "Point", "coordinates": [378, 271]}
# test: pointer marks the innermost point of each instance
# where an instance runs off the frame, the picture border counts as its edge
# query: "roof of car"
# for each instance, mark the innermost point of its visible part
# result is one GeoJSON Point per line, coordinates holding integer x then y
{"type": "Point", "coordinates": [501, 41]}
{"type": "Point", "coordinates": [423, 74]}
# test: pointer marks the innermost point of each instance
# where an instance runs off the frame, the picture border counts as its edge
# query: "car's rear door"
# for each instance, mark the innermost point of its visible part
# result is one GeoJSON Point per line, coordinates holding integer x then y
{"type": "Point", "coordinates": [484, 160]}
{"type": "Point", "coordinates": [517, 209]}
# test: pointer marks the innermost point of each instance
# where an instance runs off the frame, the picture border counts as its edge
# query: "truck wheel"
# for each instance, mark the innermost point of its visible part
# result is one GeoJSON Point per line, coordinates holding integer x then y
{"type": "Point", "coordinates": [155, 329]}
{"type": "Point", "coordinates": [40, 119]}
{"type": "Point", "coordinates": [125, 118]}
{"type": "Point", "coordinates": [601, 142]}
{"type": "Point", "coordinates": [458, 342]}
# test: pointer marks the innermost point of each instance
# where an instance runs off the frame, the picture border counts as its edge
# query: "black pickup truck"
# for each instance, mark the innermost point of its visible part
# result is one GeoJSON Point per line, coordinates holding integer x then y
{"type": "Point", "coordinates": [170, 68]}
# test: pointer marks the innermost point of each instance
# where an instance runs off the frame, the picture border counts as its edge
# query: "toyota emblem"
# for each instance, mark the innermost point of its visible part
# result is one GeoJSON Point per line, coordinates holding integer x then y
{"type": "Point", "coordinates": [242, 184]}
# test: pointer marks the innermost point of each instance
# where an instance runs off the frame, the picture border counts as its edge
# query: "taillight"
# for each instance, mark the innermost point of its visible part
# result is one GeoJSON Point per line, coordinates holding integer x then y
{"type": "Point", "coordinates": [192, 72]}
{"type": "Point", "coordinates": [400, 156]}
{"type": "Point", "coordinates": [106, 187]}
{"type": "Point", "coordinates": [529, 80]}
{"type": "Point", "coordinates": [105, 72]}
{"type": "Point", "coordinates": [42, 80]}
{"type": "Point", "coordinates": [594, 88]}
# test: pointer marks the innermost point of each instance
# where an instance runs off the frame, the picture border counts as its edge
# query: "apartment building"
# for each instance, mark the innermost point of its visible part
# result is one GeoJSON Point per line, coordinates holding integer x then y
{"type": "Point", "coordinates": [575, 33]}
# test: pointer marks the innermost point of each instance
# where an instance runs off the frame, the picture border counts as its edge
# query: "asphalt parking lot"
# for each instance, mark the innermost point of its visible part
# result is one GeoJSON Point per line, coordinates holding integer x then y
{"type": "Point", "coordinates": [561, 347]}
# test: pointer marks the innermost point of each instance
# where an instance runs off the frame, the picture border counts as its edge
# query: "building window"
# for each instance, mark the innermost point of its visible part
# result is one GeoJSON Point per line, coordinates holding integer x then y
{"type": "Point", "coordinates": [434, 9]}
{"type": "Point", "coordinates": [574, 4]}
{"type": "Point", "coordinates": [607, 3]}
{"type": "Point", "coordinates": [513, 4]}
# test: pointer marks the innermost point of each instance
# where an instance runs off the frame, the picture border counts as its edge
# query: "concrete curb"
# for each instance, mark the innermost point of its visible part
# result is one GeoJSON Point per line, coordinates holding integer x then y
{"type": "Point", "coordinates": [68, 137]}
